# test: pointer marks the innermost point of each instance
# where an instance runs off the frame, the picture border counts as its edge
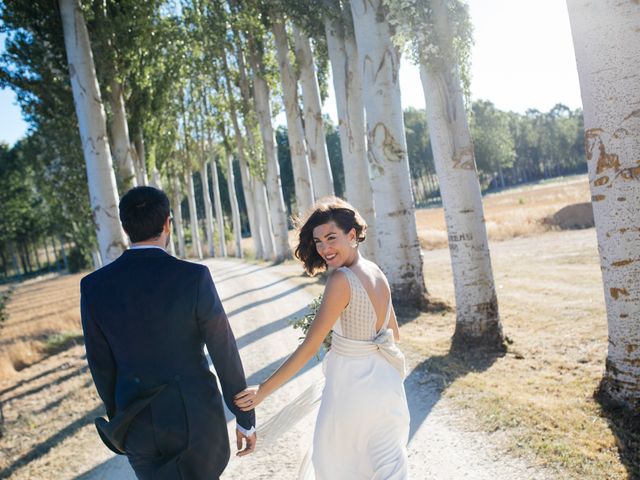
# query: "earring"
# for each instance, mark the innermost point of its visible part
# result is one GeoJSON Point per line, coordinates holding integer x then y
{"type": "Point", "coordinates": [354, 243]}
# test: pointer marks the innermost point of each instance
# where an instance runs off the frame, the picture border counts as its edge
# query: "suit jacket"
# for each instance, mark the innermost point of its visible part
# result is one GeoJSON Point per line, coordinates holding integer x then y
{"type": "Point", "coordinates": [146, 318]}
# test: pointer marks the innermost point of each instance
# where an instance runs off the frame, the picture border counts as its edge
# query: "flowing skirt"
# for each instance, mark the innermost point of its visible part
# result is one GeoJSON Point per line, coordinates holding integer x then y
{"type": "Point", "coordinates": [363, 423]}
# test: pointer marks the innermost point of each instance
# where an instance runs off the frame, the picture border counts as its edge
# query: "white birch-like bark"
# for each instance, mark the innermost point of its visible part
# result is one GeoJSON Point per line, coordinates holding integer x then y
{"type": "Point", "coordinates": [347, 85]}
{"type": "Point", "coordinates": [93, 132]}
{"type": "Point", "coordinates": [387, 153]}
{"type": "Point", "coordinates": [139, 160]}
{"type": "Point", "coordinates": [208, 209]}
{"type": "Point", "coordinates": [277, 208]}
{"type": "Point", "coordinates": [235, 209]}
{"type": "Point", "coordinates": [258, 186]}
{"type": "Point", "coordinates": [176, 200]}
{"type": "Point", "coordinates": [606, 37]}
{"type": "Point", "coordinates": [264, 215]}
{"type": "Point", "coordinates": [156, 181]}
{"type": "Point", "coordinates": [120, 137]}
{"type": "Point", "coordinates": [217, 203]}
{"type": "Point", "coordinates": [321, 175]}
{"type": "Point", "coordinates": [477, 318]}
{"type": "Point", "coordinates": [299, 161]}
{"type": "Point", "coordinates": [245, 177]}
{"type": "Point", "coordinates": [196, 247]}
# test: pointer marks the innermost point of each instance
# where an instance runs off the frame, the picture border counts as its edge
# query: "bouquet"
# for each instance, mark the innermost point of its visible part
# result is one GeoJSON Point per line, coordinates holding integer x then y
{"type": "Point", "coordinates": [305, 322]}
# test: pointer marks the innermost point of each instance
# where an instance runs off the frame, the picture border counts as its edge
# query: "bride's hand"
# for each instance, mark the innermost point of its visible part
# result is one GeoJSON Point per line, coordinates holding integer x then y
{"type": "Point", "coordinates": [249, 398]}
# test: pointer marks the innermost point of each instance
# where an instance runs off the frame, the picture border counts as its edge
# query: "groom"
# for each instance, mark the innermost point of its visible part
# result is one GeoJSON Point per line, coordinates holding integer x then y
{"type": "Point", "coordinates": [146, 318]}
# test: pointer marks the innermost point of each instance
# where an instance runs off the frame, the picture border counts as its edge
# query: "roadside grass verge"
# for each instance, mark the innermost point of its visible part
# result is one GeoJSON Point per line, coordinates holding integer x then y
{"type": "Point", "coordinates": [539, 397]}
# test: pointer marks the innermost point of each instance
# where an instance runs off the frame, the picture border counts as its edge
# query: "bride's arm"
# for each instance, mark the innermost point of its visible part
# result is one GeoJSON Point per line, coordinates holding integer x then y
{"type": "Point", "coordinates": [335, 299]}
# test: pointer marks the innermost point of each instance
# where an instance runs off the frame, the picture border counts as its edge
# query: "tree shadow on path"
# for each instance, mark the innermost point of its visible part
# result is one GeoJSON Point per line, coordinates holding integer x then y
{"type": "Point", "coordinates": [264, 301]}
{"type": "Point", "coordinates": [269, 328]}
{"type": "Point", "coordinates": [430, 378]}
{"type": "Point", "coordinates": [42, 448]}
{"type": "Point", "coordinates": [625, 426]}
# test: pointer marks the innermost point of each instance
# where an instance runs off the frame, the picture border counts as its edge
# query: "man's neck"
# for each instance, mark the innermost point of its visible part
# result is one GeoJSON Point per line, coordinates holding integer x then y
{"type": "Point", "coordinates": [157, 243]}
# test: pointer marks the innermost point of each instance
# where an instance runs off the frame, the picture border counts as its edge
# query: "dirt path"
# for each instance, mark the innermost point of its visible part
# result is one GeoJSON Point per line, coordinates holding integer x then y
{"type": "Point", "coordinates": [259, 300]}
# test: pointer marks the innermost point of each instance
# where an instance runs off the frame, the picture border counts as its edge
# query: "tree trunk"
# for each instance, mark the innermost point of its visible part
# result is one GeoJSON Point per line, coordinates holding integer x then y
{"type": "Point", "coordinates": [122, 154]}
{"type": "Point", "coordinates": [26, 257]}
{"type": "Point", "coordinates": [208, 210]}
{"type": "Point", "coordinates": [36, 254]}
{"type": "Point", "coordinates": [14, 259]}
{"type": "Point", "coordinates": [217, 202]}
{"type": "Point", "coordinates": [196, 247]}
{"type": "Point", "coordinates": [245, 177]}
{"type": "Point", "coordinates": [262, 205]}
{"type": "Point", "coordinates": [299, 161]}
{"type": "Point", "coordinates": [477, 318]}
{"type": "Point", "coordinates": [606, 39]}
{"type": "Point", "coordinates": [209, 226]}
{"type": "Point", "coordinates": [387, 153]}
{"type": "Point", "coordinates": [26, 267]}
{"type": "Point", "coordinates": [65, 261]}
{"type": "Point", "coordinates": [321, 175]}
{"type": "Point", "coordinates": [274, 191]}
{"type": "Point", "coordinates": [235, 210]}
{"type": "Point", "coordinates": [156, 181]}
{"type": "Point", "coordinates": [347, 84]}
{"type": "Point", "coordinates": [46, 252]}
{"type": "Point", "coordinates": [140, 162]}
{"type": "Point", "coordinates": [176, 199]}
{"type": "Point", "coordinates": [93, 132]}
{"type": "Point", "coordinates": [5, 269]}
{"type": "Point", "coordinates": [55, 255]}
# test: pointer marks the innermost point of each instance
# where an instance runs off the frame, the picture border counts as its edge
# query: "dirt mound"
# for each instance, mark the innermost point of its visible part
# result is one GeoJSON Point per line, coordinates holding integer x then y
{"type": "Point", "coordinates": [573, 217]}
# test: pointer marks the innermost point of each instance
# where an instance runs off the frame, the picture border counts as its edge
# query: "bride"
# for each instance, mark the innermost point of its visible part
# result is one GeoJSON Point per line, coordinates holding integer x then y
{"type": "Point", "coordinates": [363, 423]}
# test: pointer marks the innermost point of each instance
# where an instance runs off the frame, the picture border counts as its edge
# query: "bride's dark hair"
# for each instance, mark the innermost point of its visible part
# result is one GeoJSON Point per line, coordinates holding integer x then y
{"type": "Point", "coordinates": [325, 210]}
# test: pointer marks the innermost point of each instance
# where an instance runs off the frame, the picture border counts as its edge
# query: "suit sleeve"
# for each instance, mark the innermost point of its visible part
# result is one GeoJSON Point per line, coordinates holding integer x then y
{"type": "Point", "coordinates": [222, 347]}
{"type": "Point", "coordinates": [99, 356]}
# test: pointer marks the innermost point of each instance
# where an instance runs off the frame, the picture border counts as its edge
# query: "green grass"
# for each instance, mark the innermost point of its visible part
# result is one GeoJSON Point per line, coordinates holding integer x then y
{"type": "Point", "coordinates": [59, 342]}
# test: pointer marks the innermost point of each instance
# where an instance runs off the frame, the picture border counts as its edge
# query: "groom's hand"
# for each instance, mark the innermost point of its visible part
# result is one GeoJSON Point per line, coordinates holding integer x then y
{"type": "Point", "coordinates": [248, 440]}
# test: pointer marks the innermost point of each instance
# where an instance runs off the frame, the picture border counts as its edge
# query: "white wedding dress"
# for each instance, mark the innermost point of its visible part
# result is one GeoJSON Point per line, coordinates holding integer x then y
{"type": "Point", "coordinates": [363, 423]}
{"type": "Point", "coordinates": [362, 427]}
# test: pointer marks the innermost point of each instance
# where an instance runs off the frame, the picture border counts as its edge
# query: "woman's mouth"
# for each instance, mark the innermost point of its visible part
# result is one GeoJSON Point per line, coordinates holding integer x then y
{"type": "Point", "coordinates": [328, 258]}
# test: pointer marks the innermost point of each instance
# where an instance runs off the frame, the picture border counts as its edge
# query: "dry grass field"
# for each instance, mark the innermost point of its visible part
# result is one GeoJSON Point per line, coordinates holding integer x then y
{"type": "Point", "coordinates": [43, 317]}
{"type": "Point", "coordinates": [537, 400]}
{"type": "Point", "coordinates": [517, 212]}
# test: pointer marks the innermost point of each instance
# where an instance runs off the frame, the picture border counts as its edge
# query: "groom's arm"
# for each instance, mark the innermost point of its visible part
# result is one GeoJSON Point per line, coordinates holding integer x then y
{"type": "Point", "coordinates": [222, 347]}
{"type": "Point", "coordinates": [99, 355]}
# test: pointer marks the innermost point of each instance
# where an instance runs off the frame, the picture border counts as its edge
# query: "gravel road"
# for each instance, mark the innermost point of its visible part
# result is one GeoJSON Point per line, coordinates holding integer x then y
{"type": "Point", "coordinates": [259, 300]}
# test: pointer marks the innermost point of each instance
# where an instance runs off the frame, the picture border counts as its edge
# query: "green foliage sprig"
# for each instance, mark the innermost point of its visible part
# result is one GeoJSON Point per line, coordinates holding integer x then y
{"type": "Point", "coordinates": [415, 27]}
{"type": "Point", "coordinates": [304, 322]}
{"type": "Point", "coordinates": [4, 300]}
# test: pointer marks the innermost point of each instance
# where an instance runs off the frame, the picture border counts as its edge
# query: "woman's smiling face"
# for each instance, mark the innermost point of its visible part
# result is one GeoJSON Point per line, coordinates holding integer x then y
{"type": "Point", "coordinates": [333, 245]}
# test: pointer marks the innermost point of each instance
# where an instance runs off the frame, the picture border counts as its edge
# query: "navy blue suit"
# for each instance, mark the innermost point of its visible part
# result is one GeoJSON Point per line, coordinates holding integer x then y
{"type": "Point", "coordinates": [146, 318]}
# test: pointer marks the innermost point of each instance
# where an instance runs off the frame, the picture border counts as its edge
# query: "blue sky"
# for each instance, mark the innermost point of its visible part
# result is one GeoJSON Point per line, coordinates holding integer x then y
{"type": "Point", "coordinates": [522, 58]}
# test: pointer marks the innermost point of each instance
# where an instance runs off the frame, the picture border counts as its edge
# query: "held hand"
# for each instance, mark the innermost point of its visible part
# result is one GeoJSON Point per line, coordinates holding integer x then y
{"type": "Point", "coordinates": [248, 399]}
{"type": "Point", "coordinates": [250, 443]}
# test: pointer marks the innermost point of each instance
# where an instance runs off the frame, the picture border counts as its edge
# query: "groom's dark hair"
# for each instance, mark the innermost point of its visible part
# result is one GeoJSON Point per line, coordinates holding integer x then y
{"type": "Point", "coordinates": [143, 211]}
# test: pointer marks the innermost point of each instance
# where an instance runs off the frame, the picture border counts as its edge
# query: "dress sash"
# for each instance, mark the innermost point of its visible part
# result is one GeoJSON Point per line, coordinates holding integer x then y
{"type": "Point", "coordinates": [383, 343]}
